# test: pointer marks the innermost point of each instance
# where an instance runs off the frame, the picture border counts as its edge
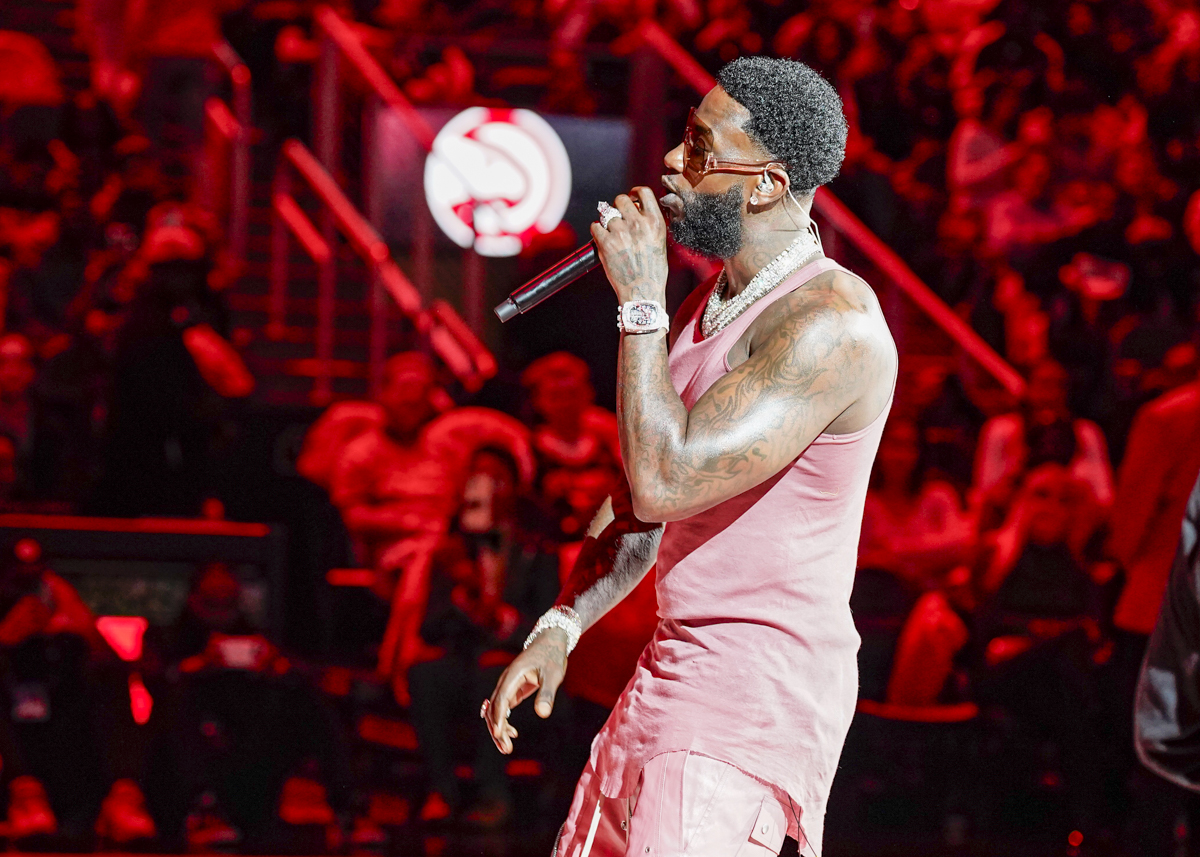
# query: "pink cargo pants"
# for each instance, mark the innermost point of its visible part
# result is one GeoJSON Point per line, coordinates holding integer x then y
{"type": "Point", "coordinates": [686, 804]}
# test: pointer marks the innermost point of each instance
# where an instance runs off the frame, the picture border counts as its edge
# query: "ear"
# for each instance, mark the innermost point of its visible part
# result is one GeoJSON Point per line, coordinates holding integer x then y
{"type": "Point", "coordinates": [772, 186]}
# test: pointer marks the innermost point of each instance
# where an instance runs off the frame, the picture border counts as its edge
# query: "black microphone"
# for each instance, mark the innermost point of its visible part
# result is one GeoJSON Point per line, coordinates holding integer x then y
{"type": "Point", "coordinates": [549, 281]}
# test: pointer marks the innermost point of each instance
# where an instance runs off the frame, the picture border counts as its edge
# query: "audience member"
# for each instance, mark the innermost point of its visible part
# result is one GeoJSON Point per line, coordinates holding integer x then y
{"type": "Point", "coordinates": [575, 441]}
{"type": "Point", "coordinates": [488, 585]}
{"type": "Point", "coordinates": [68, 734]}
{"type": "Point", "coordinates": [914, 526]}
{"type": "Point", "coordinates": [1043, 430]}
{"type": "Point", "coordinates": [394, 492]}
{"type": "Point", "coordinates": [172, 372]}
{"type": "Point", "coordinates": [251, 752]}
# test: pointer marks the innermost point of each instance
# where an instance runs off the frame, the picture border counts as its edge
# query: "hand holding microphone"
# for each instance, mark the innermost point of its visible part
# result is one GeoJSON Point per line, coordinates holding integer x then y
{"type": "Point", "coordinates": [585, 259]}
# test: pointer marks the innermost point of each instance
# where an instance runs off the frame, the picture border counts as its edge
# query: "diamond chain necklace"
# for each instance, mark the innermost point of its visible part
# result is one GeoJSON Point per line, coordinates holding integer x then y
{"type": "Point", "coordinates": [719, 313]}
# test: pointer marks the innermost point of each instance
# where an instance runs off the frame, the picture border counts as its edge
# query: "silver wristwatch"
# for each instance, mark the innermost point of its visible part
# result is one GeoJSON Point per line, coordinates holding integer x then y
{"type": "Point", "coordinates": [642, 317]}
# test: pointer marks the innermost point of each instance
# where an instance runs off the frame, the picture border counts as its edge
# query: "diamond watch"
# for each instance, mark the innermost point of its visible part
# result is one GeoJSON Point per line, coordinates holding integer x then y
{"type": "Point", "coordinates": [642, 317]}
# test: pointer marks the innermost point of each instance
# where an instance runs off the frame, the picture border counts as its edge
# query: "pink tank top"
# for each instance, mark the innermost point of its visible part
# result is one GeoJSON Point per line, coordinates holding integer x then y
{"type": "Point", "coordinates": [754, 661]}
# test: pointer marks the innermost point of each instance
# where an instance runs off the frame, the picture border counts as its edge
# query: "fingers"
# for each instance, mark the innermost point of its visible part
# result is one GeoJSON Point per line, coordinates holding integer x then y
{"type": "Point", "coordinates": [626, 206]}
{"type": "Point", "coordinates": [510, 690]}
{"type": "Point", "coordinates": [552, 677]}
{"type": "Point", "coordinates": [649, 203]}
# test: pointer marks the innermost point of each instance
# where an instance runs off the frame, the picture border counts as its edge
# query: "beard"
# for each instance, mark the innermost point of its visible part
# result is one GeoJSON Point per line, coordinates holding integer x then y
{"type": "Point", "coordinates": [711, 223]}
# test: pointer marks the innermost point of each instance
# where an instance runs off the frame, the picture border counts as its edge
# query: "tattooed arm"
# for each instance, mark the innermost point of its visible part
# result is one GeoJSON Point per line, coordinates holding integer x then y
{"type": "Point", "coordinates": [823, 358]}
{"type": "Point", "coordinates": [617, 553]}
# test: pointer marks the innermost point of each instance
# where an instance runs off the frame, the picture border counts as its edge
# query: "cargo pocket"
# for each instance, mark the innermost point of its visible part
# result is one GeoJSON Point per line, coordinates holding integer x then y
{"type": "Point", "coordinates": [770, 828]}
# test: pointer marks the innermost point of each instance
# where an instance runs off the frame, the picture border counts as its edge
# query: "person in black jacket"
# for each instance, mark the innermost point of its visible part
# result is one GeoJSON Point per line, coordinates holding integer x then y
{"type": "Point", "coordinates": [1166, 713]}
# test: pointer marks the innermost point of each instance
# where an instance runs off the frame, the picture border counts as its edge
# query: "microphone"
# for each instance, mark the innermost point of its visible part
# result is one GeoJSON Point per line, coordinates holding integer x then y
{"type": "Point", "coordinates": [549, 281]}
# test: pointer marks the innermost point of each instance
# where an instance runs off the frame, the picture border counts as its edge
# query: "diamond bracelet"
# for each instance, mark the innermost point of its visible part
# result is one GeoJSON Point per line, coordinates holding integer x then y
{"type": "Point", "coordinates": [558, 616]}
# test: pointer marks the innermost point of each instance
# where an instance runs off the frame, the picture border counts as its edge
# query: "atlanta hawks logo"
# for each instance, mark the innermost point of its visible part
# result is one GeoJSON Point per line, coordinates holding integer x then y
{"type": "Point", "coordinates": [497, 177]}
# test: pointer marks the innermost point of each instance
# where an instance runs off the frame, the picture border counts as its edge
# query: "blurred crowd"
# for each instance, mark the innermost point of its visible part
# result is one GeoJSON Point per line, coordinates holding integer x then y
{"type": "Point", "coordinates": [1034, 163]}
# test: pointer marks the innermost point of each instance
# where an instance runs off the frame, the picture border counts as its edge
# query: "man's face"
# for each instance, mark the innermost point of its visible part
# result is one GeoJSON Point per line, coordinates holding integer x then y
{"type": "Point", "coordinates": [488, 494]}
{"type": "Point", "coordinates": [707, 216]}
{"type": "Point", "coordinates": [1051, 501]}
{"type": "Point", "coordinates": [562, 401]}
{"type": "Point", "coordinates": [405, 398]}
{"type": "Point", "coordinates": [1048, 389]}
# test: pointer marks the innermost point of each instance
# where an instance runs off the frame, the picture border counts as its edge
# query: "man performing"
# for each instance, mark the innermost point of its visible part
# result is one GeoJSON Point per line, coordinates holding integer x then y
{"type": "Point", "coordinates": [754, 441]}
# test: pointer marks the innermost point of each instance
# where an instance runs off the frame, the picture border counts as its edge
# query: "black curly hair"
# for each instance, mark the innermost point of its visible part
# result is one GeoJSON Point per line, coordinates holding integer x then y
{"type": "Point", "coordinates": [795, 115]}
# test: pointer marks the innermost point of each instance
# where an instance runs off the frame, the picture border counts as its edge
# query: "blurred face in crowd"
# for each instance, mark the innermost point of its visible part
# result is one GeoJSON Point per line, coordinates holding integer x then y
{"type": "Point", "coordinates": [1031, 175]}
{"type": "Point", "coordinates": [1191, 222]}
{"type": "Point", "coordinates": [827, 43]}
{"type": "Point", "coordinates": [1047, 391]}
{"type": "Point", "coordinates": [1080, 21]}
{"type": "Point", "coordinates": [408, 385]}
{"type": "Point", "coordinates": [215, 597]}
{"type": "Point", "coordinates": [898, 452]}
{"type": "Point", "coordinates": [16, 365]}
{"type": "Point", "coordinates": [1051, 495]}
{"type": "Point", "coordinates": [561, 402]}
{"type": "Point", "coordinates": [488, 494]}
{"type": "Point", "coordinates": [585, 492]}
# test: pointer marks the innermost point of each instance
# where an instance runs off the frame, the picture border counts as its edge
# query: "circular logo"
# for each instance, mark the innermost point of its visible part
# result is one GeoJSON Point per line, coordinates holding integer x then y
{"type": "Point", "coordinates": [497, 177]}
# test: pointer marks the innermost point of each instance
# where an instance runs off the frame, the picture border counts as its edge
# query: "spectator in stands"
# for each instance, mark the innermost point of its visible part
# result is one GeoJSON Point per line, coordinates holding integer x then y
{"type": "Point", "coordinates": [395, 492]}
{"type": "Point", "coordinates": [488, 586]}
{"type": "Point", "coordinates": [575, 440]}
{"type": "Point", "coordinates": [949, 423]}
{"type": "Point", "coordinates": [914, 531]}
{"type": "Point", "coordinates": [17, 372]}
{"type": "Point", "coordinates": [251, 753]}
{"type": "Point", "coordinates": [1042, 430]}
{"type": "Point", "coordinates": [1040, 624]}
{"type": "Point", "coordinates": [979, 154]}
{"type": "Point", "coordinates": [173, 370]}
{"type": "Point", "coordinates": [48, 256]}
{"type": "Point", "coordinates": [8, 470]}
{"type": "Point", "coordinates": [914, 527]}
{"type": "Point", "coordinates": [68, 733]}
{"type": "Point", "coordinates": [160, 49]}
{"type": "Point", "coordinates": [1025, 217]}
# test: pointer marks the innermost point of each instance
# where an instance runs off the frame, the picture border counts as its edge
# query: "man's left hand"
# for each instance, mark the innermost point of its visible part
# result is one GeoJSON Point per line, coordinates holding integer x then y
{"type": "Point", "coordinates": [633, 249]}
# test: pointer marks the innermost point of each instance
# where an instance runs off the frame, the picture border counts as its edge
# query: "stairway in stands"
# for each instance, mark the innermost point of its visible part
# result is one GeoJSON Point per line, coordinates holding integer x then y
{"type": "Point", "coordinates": [285, 364]}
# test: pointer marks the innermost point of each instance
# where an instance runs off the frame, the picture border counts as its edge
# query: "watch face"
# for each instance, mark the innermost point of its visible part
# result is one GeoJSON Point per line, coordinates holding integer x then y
{"type": "Point", "coordinates": [643, 315]}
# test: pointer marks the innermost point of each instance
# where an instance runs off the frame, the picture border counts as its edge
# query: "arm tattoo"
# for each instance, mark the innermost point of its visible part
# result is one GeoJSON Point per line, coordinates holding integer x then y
{"type": "Point", "coordinates": [824, 356]}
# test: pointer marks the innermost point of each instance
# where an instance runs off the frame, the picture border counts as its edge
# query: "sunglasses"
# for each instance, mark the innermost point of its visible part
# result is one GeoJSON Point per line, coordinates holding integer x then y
{"type": "Point", "coordinates": [699, 161]}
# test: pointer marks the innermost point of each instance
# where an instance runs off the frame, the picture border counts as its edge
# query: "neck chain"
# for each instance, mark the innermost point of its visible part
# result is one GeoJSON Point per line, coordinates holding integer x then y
{"type": "Point", "coordinates": [720, 312]}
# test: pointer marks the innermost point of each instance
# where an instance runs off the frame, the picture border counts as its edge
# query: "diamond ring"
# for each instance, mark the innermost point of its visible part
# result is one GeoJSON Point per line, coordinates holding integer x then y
{"type": "Point", "coordinates": [483, 709]}
{"type": "Point", "coordinates": [607, 213]}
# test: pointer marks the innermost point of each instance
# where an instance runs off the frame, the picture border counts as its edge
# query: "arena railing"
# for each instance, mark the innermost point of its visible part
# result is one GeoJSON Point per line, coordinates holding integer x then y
{"type": "Point", "coordinates": [340, 43]}
{"type": "Point", "coordinates": [847, 237]}
{"type": "Point", "coordinates": [128, 562]}
{"type": "Point", "coordinates": [449, 338]}
{"type": "Point", "coordinates": [225, 185]}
